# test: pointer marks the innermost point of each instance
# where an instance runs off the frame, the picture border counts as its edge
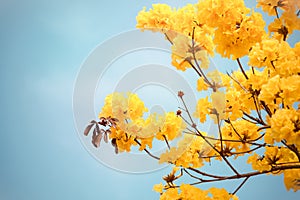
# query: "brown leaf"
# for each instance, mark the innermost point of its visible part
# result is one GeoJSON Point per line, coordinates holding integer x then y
{"type": "Point", "coordinates": [108, 131]}
{"type": "Point", "coordinates": [94, 134]}
{"type": "Point", "coordinates": [103, 121]}
{"type": "Point", "coordinates": [114, 144]}
{"type": "Point", "coordinates": [97, 128]}
{"type": "Point", "coordinates": [105, 137]}
{"type": "Point", "coordinates": [87, 129]}
{"type": "Point", "coordinates": [96, 141]}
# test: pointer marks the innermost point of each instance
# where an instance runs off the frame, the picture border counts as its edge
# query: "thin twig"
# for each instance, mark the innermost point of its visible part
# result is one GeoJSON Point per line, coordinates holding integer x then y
{"type": "Point", "coordinates": [242, 69]}
{"type": "Point", "coordinates": [191, 175]}
{"type": "Point", "coordinates": [250, 174]}
{"type": "Point", "coordinates": [220, 132]}
{"type": "Point", "coordinates": [253, 118]}
{"type": "Point", "coordinates": [276, 11]}
{"type": "Point", "coordinates": [196, 62]}
{"type": "Point", "coordinates": [239, 187]}
{"type": "Point", "coordinates": [148, 152]}
{"type": "Point", "coordinates": [257, 110]}
{"type": "Point", "coordinates": [166, 140]}
{"type": "Point", "coordinates": [235, 131]}
{"type": "Point", "coordinates": [168, 38]}
{"type": "Point", "coordinates": [237, 82]}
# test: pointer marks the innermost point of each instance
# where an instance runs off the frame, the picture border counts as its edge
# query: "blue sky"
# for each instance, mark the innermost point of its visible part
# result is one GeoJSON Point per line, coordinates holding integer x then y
{"type": "Point", "coordinates": [43, 45]}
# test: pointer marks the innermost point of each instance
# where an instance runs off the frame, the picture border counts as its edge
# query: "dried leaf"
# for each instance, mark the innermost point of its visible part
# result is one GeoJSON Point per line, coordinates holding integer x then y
{"type": "Point", "coordinates": [114, 144]}
{"type": "Point", "coordinates": [96, 141]}
{"type": "Point", "coordinates": [94, 134]}
{"type": "Point", "coordinates": [93, 122]}
{"type": "Point", "coordinates": [97, 128]}
{"type": "Point", "coordinates": [114, 119]}
{"type": "Point", "coordinates": [105, 137]}
{"type": "Point", "coordinates": [87, 129]}
{"type": "Point", "coordinates": [102, 121]}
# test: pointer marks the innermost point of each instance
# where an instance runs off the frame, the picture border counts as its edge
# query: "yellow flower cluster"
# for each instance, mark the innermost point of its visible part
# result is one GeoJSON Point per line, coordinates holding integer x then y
{"type": "Point", "coordinates": [132, 128]}
{"type": "Point", "coordinates": [285, 125]}
{"type": "Point", "coordinates": [292, 179]}
{"type": "Point", "coordinates": [237, 137]}
{"type": "Point", "coordinates": [288, 21]}
{"type": "Point", "coordinates": [172, 127]}
{"type": "Point", "coordinates": [273, 156]}
{"type": "Point", "coordinates": [254, 108]}
{"type": "Point", "coordinates": [186, 153]}
{"type": "Point", "coordinates": [123, 107]}
{"type": "Point", "coordinates": [189, 192]}
{"type": "Point", "coordinates": [236, 30]}
{"type": "Point", "coordinates": [189, 39]}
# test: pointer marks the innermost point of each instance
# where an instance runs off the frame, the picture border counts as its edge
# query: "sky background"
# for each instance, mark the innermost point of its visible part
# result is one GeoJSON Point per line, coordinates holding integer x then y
{"type": "Point", "coordinates": [43, 45]}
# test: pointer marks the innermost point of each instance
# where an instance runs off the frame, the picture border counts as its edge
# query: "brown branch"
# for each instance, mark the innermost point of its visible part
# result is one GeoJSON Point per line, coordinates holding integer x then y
{"type": "Point", "coordinates": [237, 82]}
{"type": "Point", "coordinates": [257, 110]}
{"type": "Point", "coordinates": [196, 62]}
{"type": "Point", "coordinates": [239, 187]}
{"type": "Point", "coordinates": [148, 152]}
{"type": "Point", "coordinates": [168, 38]}
{"type": "Point", "coordinates": [166, 140]}
{"type": "Point", "coordinates": [253, 118]}
{"type": "Point", "coordinates": [187, 110]}
{"type": "Point", "coordinates": [267, 109]}
{"type": "Point", "coordinates": [293, 148]}
{"type": "Point", "coordinates": [193, 66]}
{"type": "Point", "coordinates": [220, 132]}
{"type": "Point", "coordinates": [191, 175]}
{"type": "Point", "coordinates": [250, 174]}
{"type": "Point", "coordinates": [205, 174]}
{"type": "Point", "coordinates": [241, 67]}
{"type": "Point", "coordinates": [276, 11]}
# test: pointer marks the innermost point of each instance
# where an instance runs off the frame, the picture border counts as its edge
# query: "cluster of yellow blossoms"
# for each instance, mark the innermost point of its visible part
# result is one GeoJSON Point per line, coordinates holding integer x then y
{"type": "Point", "coordinates": [132, 128]}
{"type": "Point", "coordinates": [189, 192]}
{"type": "Point", "coordinates": [255, 108]}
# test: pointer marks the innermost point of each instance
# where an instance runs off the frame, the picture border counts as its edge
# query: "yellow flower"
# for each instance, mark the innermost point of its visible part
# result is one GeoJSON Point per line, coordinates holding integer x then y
{"type": "Point", "coordinates": [219, 13]}
{"type": "Point", "coordinates": [136, 107]}
{"type": "Point", "coordinates": [290, 90]}
{"type": "Point", "coordinates": [243, 131]}
{"type": "Point", "coordinates": [170, 156]}
{"type": "Point", "coordinates": [170, 194]}
{"type": "Point", "coordinates": [270, 92]}
{"type": "Point", "coordinates": [123, 140]}
{"type": "Point", "coordinates": [203, 108]}
{"type": "Point", "coordinates": [221, 193]}
{"type": "Point", "coordinates": [158, 188]}
{"type": "Point", "coordinates": [218, 103]}
{"type": "Point", "coordinates": [272, 157]}
{"type": "Point", "coordinates": [184, 51]}
{"type": "Point", "coordinates": [172, 127]}
{"type": "Point", "coordinates": [156, 19]}
{"type": "Point", "coordinates": [285, 125]}
{"type": "Point", "coordinates": [192, 193]}
{"type": "Point", "coordinates": [186, 153]}
{"type": "Point", "coordinates": [292, 179]}
{"type": "Point", "coordinates": [180, 63]}
{"type": "Point", "coordinates": [291, 21]}
{"type": "Point", "coordinates": [236, 39]}
{"type": "Point", "coordinates": [201, 85]}
{"type": "Point", "coordinates": [268, 6]}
